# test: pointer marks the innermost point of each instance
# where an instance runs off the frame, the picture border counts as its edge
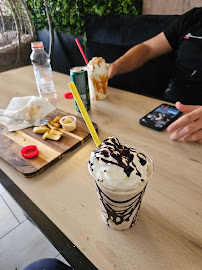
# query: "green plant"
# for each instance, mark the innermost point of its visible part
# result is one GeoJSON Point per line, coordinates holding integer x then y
{"type": "Point", "coordinates": [69, 15]}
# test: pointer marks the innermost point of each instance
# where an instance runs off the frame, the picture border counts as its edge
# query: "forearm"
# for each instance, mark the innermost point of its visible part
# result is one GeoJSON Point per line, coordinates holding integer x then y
{"type": "Point", "coordinates": [140, 54]}
{"type": "Point", "coordinates": [132, 59]}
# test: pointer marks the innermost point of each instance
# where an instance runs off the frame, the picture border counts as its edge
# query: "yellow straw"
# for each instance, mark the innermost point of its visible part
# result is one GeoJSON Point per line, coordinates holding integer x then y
{"type": "Point", "coordinates": [86, 117]}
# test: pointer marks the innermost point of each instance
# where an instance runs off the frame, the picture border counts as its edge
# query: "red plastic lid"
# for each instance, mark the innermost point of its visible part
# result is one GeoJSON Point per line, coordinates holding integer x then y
{"type": "Point", "coordinates": [37, 45]}
{"type": "Point", "coordinates": [29, 151]}
{"type": "Point", "coordinates": [68, 95]}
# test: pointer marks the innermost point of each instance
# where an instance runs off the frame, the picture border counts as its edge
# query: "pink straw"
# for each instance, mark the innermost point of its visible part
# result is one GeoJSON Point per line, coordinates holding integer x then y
{"type": "Point", "coordinates": [81, 50]}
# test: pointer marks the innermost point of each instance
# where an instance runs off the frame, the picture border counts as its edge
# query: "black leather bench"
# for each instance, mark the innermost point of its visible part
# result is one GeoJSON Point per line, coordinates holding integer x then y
{"type": "Point", "coordinates": [111, 36]}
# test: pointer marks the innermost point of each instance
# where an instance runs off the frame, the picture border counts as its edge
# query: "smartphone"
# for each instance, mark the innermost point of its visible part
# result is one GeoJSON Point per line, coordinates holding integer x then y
{"type": "Point", "coordinates": [161, 117]}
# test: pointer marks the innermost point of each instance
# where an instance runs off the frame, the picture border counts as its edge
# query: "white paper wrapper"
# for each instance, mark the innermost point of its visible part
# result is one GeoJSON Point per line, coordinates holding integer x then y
{"type": "Point", "coordinates": [27, 108]}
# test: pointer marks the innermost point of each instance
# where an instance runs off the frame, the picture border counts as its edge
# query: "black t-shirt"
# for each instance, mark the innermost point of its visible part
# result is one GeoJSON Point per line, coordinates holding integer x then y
{"type": "Point", "coordinates": [185, 36]}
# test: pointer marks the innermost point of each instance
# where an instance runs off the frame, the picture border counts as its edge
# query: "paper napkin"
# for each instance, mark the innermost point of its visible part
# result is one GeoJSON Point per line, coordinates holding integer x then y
{"type": "Point", "coordinates": [27, 108]}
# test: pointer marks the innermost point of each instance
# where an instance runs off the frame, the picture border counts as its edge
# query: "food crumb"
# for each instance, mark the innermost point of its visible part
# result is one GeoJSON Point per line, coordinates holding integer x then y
{"type": "Point", "coordinates": [24, 139]}
{"type": "Point", "coordinates": [113, 264]}
{"type": "Point", "coordinates": [86, 237]}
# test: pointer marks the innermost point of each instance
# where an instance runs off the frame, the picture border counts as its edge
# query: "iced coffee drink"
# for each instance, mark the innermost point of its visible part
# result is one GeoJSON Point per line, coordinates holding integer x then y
{"type": "Point", "coordinates": [121, 174]}
{"type": "Point", "coordinates": [97, 78]}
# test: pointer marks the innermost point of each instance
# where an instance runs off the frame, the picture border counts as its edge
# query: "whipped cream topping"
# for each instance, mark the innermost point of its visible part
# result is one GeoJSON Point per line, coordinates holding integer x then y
{"type": "Point", "coordinates": [97, 64]}
{"type": "Point", "coordinates": [119, 166]}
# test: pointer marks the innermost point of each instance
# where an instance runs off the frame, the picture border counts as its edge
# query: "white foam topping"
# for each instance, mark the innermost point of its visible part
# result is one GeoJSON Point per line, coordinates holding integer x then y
{"type": "Point", "coordinates": [119, 166]}
{"type": "Point", "coordinates": [97, 65]}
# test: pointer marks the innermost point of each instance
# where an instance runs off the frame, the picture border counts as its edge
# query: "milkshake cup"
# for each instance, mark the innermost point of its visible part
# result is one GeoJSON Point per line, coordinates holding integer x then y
{"type": "Point", "coordinates": [97, 78]}
{"type": "Point", "coordinates": [120, 200]}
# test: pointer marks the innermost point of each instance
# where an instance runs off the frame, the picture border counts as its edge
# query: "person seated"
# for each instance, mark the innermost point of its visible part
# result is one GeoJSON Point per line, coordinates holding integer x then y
{"type": "Point", "coordinates": [185, 36]}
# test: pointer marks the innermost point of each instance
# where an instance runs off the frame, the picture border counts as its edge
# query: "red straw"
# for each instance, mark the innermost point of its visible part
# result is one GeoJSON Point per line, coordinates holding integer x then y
{"type": "Point", "coordinates": [81, 50]}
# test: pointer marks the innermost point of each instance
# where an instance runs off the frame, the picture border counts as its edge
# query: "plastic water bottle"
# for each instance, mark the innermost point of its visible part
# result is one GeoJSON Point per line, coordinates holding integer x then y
{"type": "Point", "coordinates": [43, 72]}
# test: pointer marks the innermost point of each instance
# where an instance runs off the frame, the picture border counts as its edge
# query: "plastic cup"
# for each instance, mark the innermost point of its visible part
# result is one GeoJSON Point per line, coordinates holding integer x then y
{"type": "Point", "coordinates": [68, 122]}
{"type": "Point", "coordinates": [120, 208]}
{"type": "Point", "coordinates": [98, 82]}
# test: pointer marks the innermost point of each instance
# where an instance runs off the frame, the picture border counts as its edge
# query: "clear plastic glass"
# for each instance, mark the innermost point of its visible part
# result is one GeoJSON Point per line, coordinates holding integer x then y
{"type": "Point", "coordinates": [120, 207]}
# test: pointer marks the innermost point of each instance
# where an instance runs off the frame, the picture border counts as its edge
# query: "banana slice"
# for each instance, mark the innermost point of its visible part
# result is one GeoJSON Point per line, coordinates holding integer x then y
{"type": "Point", "coordinates": [41, 129]}
{"type": "Point", "coordinates": [55, 132]}
{"type": "Point", "coordinates": [56, 119]}
{"type": "Point", "coordinates": [54, 137]}
{"type": "Point", "coordinates": [57, 125]}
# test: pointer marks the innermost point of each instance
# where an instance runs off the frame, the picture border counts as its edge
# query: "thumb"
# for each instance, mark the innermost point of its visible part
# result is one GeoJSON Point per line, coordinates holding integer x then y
{"type": "Point", "coordinates": [110, 71]}
{"type": "Point", "coordinates": [185, 108]}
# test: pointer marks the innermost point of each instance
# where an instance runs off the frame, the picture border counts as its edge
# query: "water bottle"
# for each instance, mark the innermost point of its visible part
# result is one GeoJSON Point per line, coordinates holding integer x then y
{"type": "Point", "coordinates": [43, 72]}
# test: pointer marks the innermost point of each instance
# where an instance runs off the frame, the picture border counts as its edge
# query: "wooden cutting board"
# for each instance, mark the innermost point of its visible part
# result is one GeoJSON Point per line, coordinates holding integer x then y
{"type": "Point", "coordinates": [50, 151]}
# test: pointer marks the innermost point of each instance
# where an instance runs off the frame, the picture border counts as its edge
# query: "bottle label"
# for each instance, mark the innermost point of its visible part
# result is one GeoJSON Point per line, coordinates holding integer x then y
{"type": "Point", "coordinates": [44, 80]}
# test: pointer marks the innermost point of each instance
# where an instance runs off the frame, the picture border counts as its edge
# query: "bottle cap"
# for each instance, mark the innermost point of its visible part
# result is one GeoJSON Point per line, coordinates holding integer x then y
{"type": "Point", "coordinates": [68, 95]}
{"type": "Point", "coordinates": [29, 151]}
{"type": "Point", "coordinates": [37, 45]}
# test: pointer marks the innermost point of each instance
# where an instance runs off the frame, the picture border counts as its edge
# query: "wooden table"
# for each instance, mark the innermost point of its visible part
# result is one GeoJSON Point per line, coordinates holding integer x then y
{"type": "Point", "coordinates": [168, 232]}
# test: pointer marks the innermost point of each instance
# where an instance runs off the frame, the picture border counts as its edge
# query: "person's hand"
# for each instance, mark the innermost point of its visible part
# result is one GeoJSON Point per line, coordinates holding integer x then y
{"type": "Point", "coordinates": [112, 71]}
{"type": "Point", "coordinates": [189, 126]}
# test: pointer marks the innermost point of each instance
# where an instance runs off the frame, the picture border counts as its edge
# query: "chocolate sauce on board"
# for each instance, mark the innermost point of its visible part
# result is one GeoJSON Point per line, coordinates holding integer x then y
{"type": "Point", "coordinates": [128, 208]}
{"type": "Point", "coordinates": [122, 155]}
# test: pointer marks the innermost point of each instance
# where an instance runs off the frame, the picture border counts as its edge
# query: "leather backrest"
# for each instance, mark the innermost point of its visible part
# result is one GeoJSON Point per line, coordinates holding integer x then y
{"type": "Point", "coordinates": [111, 36]}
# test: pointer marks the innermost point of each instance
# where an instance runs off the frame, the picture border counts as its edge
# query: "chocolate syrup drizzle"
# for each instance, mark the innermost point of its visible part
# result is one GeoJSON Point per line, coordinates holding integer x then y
{"type": "Point", "coordinates": [122, 155]}
{"type": "Point", "coordinates": [129, 208]}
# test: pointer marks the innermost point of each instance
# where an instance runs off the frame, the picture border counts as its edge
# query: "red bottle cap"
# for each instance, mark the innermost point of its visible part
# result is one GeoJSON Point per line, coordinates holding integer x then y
{"type": "Point", "coordinates": [37, 45]}
{"type": "Point", "coordinates": [68, 95]}
{"type": "Point", "coordinates": [29, 151]}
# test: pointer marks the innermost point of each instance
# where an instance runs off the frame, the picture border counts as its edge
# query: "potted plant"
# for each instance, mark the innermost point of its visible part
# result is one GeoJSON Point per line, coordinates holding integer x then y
{"type": "Point", "coordinates": [68, 21]}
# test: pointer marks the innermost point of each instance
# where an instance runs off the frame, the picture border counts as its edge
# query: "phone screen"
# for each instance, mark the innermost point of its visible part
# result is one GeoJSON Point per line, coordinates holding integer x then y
{"type": "Point", "coordinates": [160, 117]}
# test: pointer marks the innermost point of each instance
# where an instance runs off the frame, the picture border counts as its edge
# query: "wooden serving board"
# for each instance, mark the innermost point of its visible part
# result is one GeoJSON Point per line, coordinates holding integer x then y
{"type": "Point", "coordinates": [50, 151]}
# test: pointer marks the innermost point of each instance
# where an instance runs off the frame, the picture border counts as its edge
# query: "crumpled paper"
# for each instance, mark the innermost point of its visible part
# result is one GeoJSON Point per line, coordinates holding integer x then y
{"type": "Point", "coordinates": [27, 108]}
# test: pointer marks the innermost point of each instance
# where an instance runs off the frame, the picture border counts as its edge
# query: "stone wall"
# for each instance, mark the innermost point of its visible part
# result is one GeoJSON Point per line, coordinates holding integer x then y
{"type": "Point", "coordinates": [169, 7]}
